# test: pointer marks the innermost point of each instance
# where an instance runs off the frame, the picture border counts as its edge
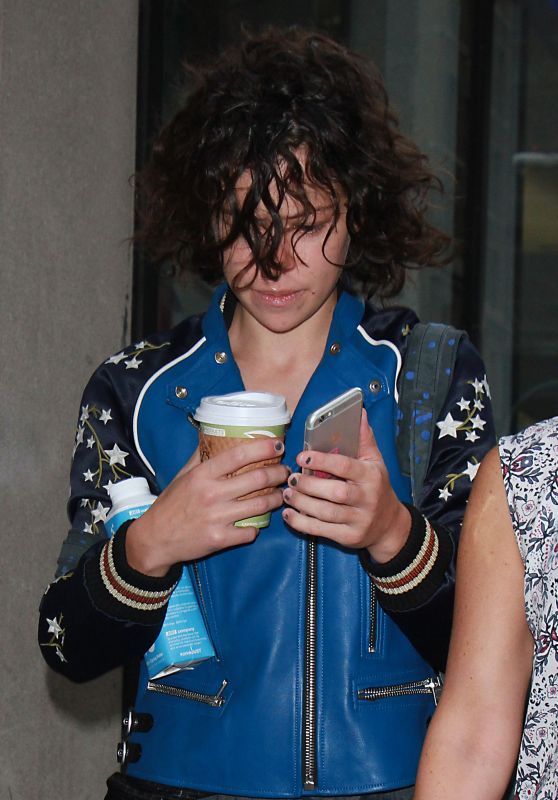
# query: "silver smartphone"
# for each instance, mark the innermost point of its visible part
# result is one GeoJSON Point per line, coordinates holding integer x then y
{"type": "Point", "coordinates": [335, 426]}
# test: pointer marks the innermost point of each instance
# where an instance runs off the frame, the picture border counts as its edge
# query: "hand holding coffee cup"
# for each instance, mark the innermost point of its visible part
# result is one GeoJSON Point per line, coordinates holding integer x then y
{"type": "Point", "coordinates": [195, 513]}
{"type": "Point", "coordinates": [226, 420]}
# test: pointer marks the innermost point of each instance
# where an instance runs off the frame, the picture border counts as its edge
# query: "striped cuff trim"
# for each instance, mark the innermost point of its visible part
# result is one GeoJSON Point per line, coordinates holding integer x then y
{"type": "Point", "coordinates": [410, 577]}
{"type": "Point", "coordinates": [124, 592]}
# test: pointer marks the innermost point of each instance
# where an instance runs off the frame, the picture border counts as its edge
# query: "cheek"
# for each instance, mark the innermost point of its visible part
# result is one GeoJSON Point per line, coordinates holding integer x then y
{"type": "Point", "coordinates": [336, 248]}
{"type": "Point", "coordinates": [235, 258]}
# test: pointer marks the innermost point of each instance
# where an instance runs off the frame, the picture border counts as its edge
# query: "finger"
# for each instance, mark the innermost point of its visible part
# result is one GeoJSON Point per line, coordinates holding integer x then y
{"type": "Point", "coordinates": [248, 451]}
{"type": "Point", "coordinates": [312, 526]}
{"type": "Point", "coordinates": [323, 509]}
{"type": "Point", "coordinates": [325, 465]}
{"type": "Point", "coordinates": [256, 506]}
{"type": "Point", "coordinates": [231, 535]}
{"type": "Point", "coordinates": [367, 446]}
{"type": "Point", "coordinates": [254, 480]}
{"type": "Point", "coordinates": [335, 491]}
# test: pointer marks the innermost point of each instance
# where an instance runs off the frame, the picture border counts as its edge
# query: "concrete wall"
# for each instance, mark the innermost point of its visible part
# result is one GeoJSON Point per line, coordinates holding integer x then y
{"type": "Point", "coordinates": [67, 130]}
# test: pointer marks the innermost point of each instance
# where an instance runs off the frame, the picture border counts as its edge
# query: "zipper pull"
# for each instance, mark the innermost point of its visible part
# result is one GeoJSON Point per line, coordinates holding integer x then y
{"type": "Point", "coordinates": [435, 686]}
{"type": "Point", "coordinates": [217, 700]}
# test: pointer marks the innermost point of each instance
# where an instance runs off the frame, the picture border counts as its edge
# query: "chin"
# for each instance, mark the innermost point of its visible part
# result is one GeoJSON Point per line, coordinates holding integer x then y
{"type": "Point", "coordinates": [280, 323]}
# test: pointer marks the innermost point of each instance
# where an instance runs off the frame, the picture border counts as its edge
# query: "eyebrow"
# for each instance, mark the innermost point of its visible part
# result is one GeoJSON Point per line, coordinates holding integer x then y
{"type": "Point", "coordinates": [226, 214]}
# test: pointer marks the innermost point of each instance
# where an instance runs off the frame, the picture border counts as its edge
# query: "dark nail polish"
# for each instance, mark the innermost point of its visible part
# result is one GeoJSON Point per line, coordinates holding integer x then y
{"type": "Point", "coordinates": [293, 480]}
{"type": "Point", "coordinates": [279, 447]}
{"type": "Point", "coordinates": [308, 460]}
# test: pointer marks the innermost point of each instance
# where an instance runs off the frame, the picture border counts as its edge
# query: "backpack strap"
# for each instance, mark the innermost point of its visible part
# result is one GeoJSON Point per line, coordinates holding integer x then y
{"type": "Point", "coordinates": [426, 376]}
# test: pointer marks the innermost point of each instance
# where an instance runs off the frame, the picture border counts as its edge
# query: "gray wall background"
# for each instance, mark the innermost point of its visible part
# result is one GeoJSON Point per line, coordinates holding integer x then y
{"type": "Point", "coordinates": [67, 141]}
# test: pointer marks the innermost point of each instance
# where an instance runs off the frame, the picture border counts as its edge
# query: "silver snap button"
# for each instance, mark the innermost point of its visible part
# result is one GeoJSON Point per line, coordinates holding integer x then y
{"type": "Point", "coordinates": [221, 358]}
{"type": "Point", "coordinates": [375, 386]}
{"type": "Point", "coordinates": [181, 392]}
{"type": "Point", "coordinates": [335, 348]}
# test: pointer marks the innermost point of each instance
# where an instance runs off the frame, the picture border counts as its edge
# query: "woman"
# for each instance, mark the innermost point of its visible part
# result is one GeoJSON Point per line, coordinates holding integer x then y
{"type": "Point", "coordinates": [504, 644]}
{"type": "Point", "coordinates": [284, 176]}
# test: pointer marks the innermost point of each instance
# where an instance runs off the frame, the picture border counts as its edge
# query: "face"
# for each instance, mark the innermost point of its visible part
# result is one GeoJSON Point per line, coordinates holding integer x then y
{"type": "Point", "coordinates": [309, 276]}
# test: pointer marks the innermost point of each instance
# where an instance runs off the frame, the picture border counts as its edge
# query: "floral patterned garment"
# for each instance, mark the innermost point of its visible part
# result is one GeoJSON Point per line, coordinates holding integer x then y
{"type": "Point", "coordinates": [530, 469]}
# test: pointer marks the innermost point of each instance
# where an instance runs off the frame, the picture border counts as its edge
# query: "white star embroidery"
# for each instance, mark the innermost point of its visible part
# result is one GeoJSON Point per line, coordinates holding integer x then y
{"type": "Point", "coordinates": [99, 514]}
{"type": "Point", "coordinates": [105, 416]}
{"type": "Point", "coordinates": [107, 486]}
{"type": "Point", "coordinates": [88, 528]}
{"type": "Point", "coordinates": [139, 345]}
{"type": "Point", "coordinates": [444, 493]}
{"type": "Point", "coordinates": [133, 363]}
{"type": "Point", "coordinates": [472, 436]}
{"type": "Point", "coordinates": [84, 413]}
{"type": "Point", "coordinates": [486, 387]}
{"type": "Point", "coordinates": [478, 386]}
{"type": "Point", "coordinates": [88, 475]}
{"type": "Point", "coordinates": [116, 359]}
{"type": "Point", "coordinates": [79, 434]}
{"type": "Point", "coordinates": [90, 442]}
{"type": "Point", "coordinates": [84, 502]}
{"type": "Point", "coordinates": [471, 470]}
{"type": "Point", "coordinates": [463, 404]}
{"type": "Point", "coordinates": [478, 423]}
{"type": "Point", "coordinates": [117, 456]}
{"type": "Point", "coordinates": [60, 654]}
{"type": "Point", "coordinates": [54, 627]}
{"type": "Point", "coordinates": [448, 427]}
{"type": "Point", "coordinates": [478, 404]}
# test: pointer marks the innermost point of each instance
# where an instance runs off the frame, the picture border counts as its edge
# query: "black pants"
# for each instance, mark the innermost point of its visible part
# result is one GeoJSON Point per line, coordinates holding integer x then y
{"type": "Point", "coordinates": [124, 788]}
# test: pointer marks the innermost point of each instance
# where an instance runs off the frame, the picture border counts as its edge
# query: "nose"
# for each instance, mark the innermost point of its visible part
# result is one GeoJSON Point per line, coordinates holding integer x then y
{"type": "Point", "coordinates": [287, 253]}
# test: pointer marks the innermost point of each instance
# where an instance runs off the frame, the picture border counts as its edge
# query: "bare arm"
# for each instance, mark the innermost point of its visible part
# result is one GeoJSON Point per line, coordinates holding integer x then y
{"type": "Point", "coordinates": [474, 737]}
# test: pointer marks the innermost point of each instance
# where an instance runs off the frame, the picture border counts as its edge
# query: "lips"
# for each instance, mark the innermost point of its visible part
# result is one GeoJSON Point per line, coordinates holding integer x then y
{"type": "Point", "coordinates": [277, 299]}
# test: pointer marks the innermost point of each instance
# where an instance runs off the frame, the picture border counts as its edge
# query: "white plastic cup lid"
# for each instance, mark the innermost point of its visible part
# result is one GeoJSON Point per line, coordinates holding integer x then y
{"type": "Point", "coordinates": [243, 408]}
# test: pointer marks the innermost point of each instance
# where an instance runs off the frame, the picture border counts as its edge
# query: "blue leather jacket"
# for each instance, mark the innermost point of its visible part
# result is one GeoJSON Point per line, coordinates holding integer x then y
{"type": "Point", "coordinates": [314, 688]}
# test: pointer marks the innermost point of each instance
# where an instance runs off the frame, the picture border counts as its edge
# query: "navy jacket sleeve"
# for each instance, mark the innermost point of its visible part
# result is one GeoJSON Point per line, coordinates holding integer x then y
{"type": "Point", "coordinates": [98, 613]}
{"type": "Point", "coordinates": [417, 586]}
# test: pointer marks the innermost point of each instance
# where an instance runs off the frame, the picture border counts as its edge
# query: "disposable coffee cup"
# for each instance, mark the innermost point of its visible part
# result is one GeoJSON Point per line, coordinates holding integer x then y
{"type": "Point", "coordinates": [226, 420]}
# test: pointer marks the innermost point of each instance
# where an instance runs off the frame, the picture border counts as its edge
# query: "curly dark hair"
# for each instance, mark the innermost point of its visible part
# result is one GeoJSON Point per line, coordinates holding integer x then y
{"type": "Point", "coordinates": [277, 94]}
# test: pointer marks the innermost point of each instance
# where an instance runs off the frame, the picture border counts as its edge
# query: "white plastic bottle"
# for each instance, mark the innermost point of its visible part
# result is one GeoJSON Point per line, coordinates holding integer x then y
{"type": "Point", "coordinates": [130, 499]}
{"type": "Point", "coordinates": [183, 640]}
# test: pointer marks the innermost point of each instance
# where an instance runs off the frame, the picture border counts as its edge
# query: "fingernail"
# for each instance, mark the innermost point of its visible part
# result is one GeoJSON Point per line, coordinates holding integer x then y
{"type": "Point", "coordinates": [293, 480]}
{"type": "Point", "coordinates": [279, 447]}
{"type": "Point", "coordinates": [287, 494]}
{"type": "Point", "coordinates": [285, 515]}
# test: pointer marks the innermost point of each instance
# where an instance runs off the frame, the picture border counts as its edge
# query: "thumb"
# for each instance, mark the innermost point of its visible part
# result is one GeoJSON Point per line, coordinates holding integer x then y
{"type": "Point", "coordinates": [367, 447]}
{"type": "Point", "coordinates": [192, 462]}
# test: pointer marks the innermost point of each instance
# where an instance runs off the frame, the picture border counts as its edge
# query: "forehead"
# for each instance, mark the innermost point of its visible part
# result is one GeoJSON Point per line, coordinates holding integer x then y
{"type": "Point", "coordinates": [284, 199]}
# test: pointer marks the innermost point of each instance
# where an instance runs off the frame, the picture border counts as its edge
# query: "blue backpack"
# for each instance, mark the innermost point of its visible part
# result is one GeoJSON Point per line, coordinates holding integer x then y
{"type": "Point", "coordinates": [425, 379]}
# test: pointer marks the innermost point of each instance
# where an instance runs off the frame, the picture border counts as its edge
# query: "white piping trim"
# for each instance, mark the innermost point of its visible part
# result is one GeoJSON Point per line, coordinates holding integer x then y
{"type": "Point", "coordinates": [144, 390]}
{"type": "Point", "coordinates": [395, 349]}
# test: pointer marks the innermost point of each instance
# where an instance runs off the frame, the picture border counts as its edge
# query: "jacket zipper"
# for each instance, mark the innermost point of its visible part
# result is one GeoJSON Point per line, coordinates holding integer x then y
{"type": "Point", "coordinates": [373, 619]}
{"type": "Point", "coordinates": [203, 607]}
{"type": "Point", "coordinates": [215, 700]}
{"type": "Point", "coordinates": [427, 686]}
{"type": "Point", "coordinates": [309, 697]}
